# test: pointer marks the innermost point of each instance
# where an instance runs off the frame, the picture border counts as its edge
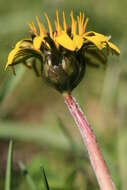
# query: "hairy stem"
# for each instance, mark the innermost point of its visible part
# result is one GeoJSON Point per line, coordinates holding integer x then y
{"type": "Point", "coordinates": [97, 161]}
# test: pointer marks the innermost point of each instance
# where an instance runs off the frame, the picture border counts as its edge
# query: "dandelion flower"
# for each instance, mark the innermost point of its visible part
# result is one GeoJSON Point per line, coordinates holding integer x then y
{"type": "Point", "coordinates": [63, 53]}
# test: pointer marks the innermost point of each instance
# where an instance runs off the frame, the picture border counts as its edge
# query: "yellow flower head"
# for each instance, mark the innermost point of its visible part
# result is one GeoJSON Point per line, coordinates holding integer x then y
{"type": "Point", "coordinates": [64, 51]}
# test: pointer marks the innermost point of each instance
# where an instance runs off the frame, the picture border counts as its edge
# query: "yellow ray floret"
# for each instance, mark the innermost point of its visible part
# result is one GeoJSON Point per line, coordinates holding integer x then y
{"type": "Point", "coordinates": [65, 41]}
{"type": "Point", "coordinates": [26, 42]}
{"type": "Point", "coordinates": [74, 24]}
{"type": "Point", "coordinates": [78, 42]}
{"type": "Point", "coordinates": [100, 41]}
{"type": "Point", "coordinates": [33, 29]}
{"type": "Point", "coordinates": [97, 39]}
{"type": "Point", "coordinates": [75, 41]}
{"type": "Point", "coordinates": [85, 24]}
{"type": "Point", "coordinates": [72, 40]}
{"type": "Point", "coordinates": [11, 57]}
{"type": "Point", "coordinates": [114, 48]}
{"type": "Point", "coordinates": [42, 29]}
{"type": "Point", "coordinates": [14, 54]}
{"type": "Point", "coordinates": [57, 24]}
{"type": "Point", "coordinates": [37, 42]}
{"type": "Point", "coordinates": [49, 25]}
{"type": "Point", "coordinates": [64, 22]}
{"type": "Point", "coordinates": [82, 23]}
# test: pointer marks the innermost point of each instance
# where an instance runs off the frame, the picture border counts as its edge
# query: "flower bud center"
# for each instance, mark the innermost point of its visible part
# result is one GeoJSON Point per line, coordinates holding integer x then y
{"type": "Point", "coordinates": [63, 71]}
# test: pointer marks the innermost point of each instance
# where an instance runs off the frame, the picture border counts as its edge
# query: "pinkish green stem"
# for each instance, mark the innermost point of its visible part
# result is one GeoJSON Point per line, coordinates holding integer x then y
{"type": "Point", "coordinates": [97, 161]}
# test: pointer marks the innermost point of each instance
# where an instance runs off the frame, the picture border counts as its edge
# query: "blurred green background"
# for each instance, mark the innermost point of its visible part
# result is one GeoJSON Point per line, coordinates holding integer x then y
{"type": "Point", "coordinates": [35, 116]}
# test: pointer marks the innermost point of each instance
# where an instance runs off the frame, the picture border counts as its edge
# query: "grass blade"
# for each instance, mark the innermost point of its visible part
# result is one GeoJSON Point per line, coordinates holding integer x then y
{"type": "Point", "coordinates": [27, 176]}
{"type": "Point", "coordinates": [9, 167]}
{"type": "Point", "coordinates": [45, 179]}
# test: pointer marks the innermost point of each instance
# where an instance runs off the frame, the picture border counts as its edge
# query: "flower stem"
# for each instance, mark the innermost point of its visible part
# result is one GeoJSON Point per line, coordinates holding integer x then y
{"type": "Point", "coordinates": [97, 161]}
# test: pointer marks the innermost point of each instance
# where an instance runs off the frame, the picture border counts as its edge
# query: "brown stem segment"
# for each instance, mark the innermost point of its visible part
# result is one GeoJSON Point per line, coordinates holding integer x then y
{"type": "Point", "coordinates": [95, 155]}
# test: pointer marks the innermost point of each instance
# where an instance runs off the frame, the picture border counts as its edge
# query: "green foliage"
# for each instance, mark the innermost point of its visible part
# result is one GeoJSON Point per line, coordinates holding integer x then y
{"type": "Point", "coordinates": [9, 167]}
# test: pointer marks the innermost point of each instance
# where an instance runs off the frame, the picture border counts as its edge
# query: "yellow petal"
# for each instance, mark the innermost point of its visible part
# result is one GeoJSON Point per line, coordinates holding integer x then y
{"type": "Point", "coordinates": [65, 41]}
{"type": "Point", "coordinates": [33, 28]}
{"type": "Point", "coordinates": [74, 24]}
{"type": "Point", "coordinates": [41, 27]}
{"type": "Point", "coordinates": [114, 48]}
{"type": "Point", "coordinates": [11, 57]}
{"type": "Point", "coordinates": [49, 25]}
{"type": "Point", "coordinates": [27, 42]}
{"type": "Point", "coordinates": [81, 24]}
{"type": "Point", "coordinates": [64, 22]}
{"type": "Point", "coordinates": [97, 39]}
{"type": "Point", "coordinates": [37, 42]}
{"type": "Point", "coordinates": [85, 24]}
{"type": "Point", "coordinates": [82, 19]}
{"type": "Point", "coordinates": [78, 41]}
{"type": "Point", "coordinates": [57, 23]}
{"type": "Point", "coordinates": [101, 36]}
{"type": "Point", "coordinates": [100, 41]}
